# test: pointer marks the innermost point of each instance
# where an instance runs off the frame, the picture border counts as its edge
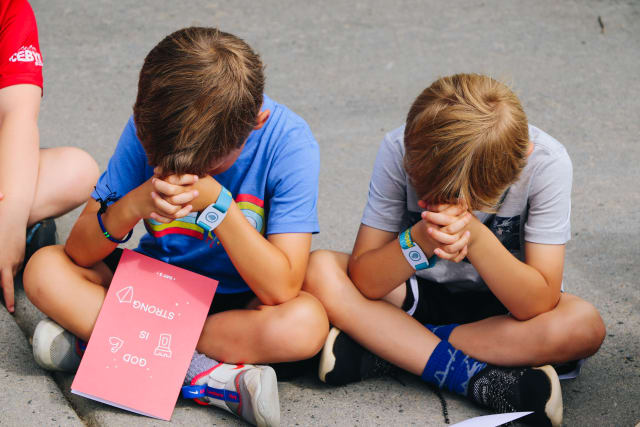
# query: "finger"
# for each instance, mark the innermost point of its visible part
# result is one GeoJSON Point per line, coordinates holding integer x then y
{"type": "Point", "coordinates": [6, 277]}
{"type": "Point", "coordinates": [458, 225]}
{"type": "Point", "coordinates": [454, 210]}
{"type": "Point", "coordinates": [183, 212]}
{"type": "Point", "coordinates": [183, 198]}
{"type": "Point", "coordinates": [165, 208]}
{"type": "Point", "coordinates": [186, 179]}
{"type": "Point", "coordinates": [440, 219]}
{"type": "Point", "coordinates": [437, 207]}
{"type": "Point", "coordinates": [160, 218]}
{"type": "Point", "coordinates": [166, 188]}
{"type": "Point", "coordinates": [462, 255]}
{"type": "Point", "coordinates": [456, 247]}
{"type": "Point", "coordinates": [440, 237]}
{"type": "Point", "coordinates": [443, 255]}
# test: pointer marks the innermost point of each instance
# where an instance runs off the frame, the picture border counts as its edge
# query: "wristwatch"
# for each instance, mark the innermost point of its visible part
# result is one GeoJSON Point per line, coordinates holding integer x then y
{"type": "Point", "coordinates": [413, 252]}
{"type": "Point", "coordinates": [213, 214]}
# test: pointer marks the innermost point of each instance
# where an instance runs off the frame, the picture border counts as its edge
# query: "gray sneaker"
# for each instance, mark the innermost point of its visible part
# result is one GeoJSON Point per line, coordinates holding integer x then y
{"type": "Point", "coordinates": [248, 391]}
{"type": "Point", "coordinates": [56, 349]}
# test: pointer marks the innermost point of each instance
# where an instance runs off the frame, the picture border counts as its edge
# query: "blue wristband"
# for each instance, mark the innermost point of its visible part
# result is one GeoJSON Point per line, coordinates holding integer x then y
{"type": "Point", "coordinates": [413, 252]}
{"type": "Point", "coordinates": [108, 236]}
{"type": "Point", "coordinates": [213, 215]}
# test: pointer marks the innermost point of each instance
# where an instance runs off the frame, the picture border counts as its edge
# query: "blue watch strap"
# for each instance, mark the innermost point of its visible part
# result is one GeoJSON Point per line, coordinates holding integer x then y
{"type": "Point", "coordinates": [224, 200]}
{"type": "Point", "coordinates": [213, 214]}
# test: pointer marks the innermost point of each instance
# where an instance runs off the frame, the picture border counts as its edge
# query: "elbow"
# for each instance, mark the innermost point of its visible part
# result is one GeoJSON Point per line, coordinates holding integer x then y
{"type": "Point", "coordinates": [366, 291]}
{"type": "Point", "coordinates": [543, 305]}
{"type": "Point", "coordinates": [285, 293]}
{"type": "Point", "coordinates": [362, 283]}
{"type": "Point", "coordinates": [369, 293]}
{"type": "Point", "coordinates": [76, 256]}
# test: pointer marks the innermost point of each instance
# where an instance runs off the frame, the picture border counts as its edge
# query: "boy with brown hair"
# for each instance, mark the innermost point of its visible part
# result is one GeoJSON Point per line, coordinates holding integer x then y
{"type": "Point", "coordinates": [467, 300]}
{"type": "Point", "coordinates": [225, 180]}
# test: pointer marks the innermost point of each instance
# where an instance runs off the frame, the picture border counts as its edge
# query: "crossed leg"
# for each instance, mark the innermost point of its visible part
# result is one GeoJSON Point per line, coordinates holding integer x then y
{"type": "Point", "coordinates": [72, 296]}
{"type": "Point", "coordinates": [572, 330]}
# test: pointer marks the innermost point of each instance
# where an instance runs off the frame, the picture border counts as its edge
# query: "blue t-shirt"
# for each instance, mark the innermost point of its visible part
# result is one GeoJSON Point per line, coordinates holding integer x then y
{"type": "Point", "coordinates": [274, 181]}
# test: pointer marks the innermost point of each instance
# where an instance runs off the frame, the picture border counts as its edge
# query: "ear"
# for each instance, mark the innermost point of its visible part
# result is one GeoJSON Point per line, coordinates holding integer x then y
{"type": "Point", "coordinates": [263, 116]}
{"type": "Point", "coordinates": [530, 148]}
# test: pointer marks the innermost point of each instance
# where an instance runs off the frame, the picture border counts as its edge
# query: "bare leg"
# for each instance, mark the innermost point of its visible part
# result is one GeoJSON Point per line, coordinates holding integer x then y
{"type": "Point", "coordinates": [570, 331]}
{"type": "Point", "coordinates": [66, 176]}
{"type": "Point", "coordinates": [69, 294]}
{"type": "Point", "coordinates": [73, 295]}
{"type": "Point", "coordinates": [291, 331]}
{"type": "Point", "coordinates": [377, 325]}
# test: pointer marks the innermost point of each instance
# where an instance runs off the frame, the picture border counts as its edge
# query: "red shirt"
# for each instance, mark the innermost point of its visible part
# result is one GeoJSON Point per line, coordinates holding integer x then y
{"type": "Point", "coordinates": [20, 57]}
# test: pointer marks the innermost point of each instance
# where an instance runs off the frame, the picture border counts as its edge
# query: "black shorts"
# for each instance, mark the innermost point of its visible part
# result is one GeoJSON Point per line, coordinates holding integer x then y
{"type": "Point", "coordinates": [221, 302]}
{"type": "Point", "coordinates": [433, 303]}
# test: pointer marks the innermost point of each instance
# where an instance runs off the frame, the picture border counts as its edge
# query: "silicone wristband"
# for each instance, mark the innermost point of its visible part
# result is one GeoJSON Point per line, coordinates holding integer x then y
{"type": "Point", "coordinates": [213, 215]}
{"type": "Point", "coordinates": [413, 253]}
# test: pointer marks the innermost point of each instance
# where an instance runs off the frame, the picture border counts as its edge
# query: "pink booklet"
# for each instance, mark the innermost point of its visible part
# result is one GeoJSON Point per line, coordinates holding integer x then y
{"type": "Point", "coordinates": [145, 335]}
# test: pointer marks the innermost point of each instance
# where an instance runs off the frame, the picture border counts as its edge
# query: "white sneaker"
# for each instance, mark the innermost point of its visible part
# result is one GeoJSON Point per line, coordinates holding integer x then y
{"type": "Point", "coordinates": [56, 349]}
{"type": "Point", "coordinates": [248, 391]}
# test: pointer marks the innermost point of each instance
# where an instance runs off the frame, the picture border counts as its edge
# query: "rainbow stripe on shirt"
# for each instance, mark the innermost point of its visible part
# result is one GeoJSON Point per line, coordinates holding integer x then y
{"type": "Point", "coordinates": [250, 206]}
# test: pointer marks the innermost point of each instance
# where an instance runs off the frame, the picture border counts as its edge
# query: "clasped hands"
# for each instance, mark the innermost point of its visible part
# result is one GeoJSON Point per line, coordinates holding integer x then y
{"type": "Point", "coordinates": [445, 229]}
{"type": "Point", "coordinates": [168, 198]}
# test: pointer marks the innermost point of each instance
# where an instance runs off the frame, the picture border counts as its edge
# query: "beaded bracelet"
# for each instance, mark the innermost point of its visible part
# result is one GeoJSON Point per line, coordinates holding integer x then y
{"type": "Point", "coordinates": [111, 197]}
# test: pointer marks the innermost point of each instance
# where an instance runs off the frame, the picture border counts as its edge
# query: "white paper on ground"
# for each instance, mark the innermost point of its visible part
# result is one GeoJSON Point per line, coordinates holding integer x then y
{"type": "Point", "coordinates": [491, 420]}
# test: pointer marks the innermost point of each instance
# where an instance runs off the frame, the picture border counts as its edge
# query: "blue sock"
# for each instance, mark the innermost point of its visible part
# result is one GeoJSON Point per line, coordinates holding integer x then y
{"type": "Point", "coordinates": [442, 331]}
{"type": "Point", "coordinates": [451, 368]}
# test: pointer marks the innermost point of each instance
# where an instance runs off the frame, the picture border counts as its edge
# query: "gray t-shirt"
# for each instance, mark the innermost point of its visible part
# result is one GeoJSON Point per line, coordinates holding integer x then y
{"type": "Point", "coordinates": [536, 208]}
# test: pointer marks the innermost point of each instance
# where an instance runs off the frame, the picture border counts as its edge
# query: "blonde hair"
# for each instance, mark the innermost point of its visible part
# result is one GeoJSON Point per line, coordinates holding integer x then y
{"type": "Point", "coordinates": [199, 95]}
{"type": "Point", "coordinates": [467, 138]}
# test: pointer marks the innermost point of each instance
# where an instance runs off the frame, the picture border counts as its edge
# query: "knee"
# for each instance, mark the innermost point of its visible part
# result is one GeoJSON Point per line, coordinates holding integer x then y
{"type": "Point", "coordinates": [589, 329]}
{"type": "Point", "coordinates": [301, 330]}
{"type": "Point", "coordinates": [38, 271]}
{"type": "Point", "coordinates": [581, 333]}
{"type": "Point", "coordinates": [85, 169]}
{"type": "Point", "coordinates": [321, 279]}
{"type": "Point", "coordinates": [320, 263]}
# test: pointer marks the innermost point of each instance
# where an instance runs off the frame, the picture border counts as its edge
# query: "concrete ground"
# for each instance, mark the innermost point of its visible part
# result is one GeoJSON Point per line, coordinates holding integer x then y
{"type": "Point", "coordinates": [352, 69]}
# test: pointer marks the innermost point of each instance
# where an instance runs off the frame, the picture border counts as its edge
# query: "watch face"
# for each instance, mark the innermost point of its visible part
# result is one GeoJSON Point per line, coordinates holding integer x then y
{"type": "Point", "coordinates": [211, 217]}
{"type": "Point", "coordinates": [414, 256]}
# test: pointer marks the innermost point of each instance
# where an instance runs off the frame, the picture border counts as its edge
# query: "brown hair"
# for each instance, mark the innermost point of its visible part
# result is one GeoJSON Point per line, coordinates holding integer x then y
{"type": "Point", "coordinates": [199, 95]}
{"type": "Point", "coordinates": [467, 138]}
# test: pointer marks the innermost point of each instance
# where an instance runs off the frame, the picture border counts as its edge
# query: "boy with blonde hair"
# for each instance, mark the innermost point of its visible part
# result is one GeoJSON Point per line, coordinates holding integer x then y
{"type": "Point", "coordinates": [225, 180]}
{"type": "Point", "coordinates": [456, 272]}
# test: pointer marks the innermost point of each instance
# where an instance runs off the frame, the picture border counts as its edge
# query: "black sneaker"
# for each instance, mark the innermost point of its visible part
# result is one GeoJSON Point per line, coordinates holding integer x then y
{"type": "Point", "coordinates": [39, 235]}
{"type": "Point", "coordinates": [520, 389]}
{"type": "Point", "coordinates": [344, 361]}
{"type": "Point", "coordinates": [569, 370]}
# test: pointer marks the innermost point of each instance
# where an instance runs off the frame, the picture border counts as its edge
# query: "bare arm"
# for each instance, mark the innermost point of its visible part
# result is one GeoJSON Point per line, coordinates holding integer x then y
{"type": "Point", "coordinates": [527, 288]}
{"type": "Point", "coordinates": [273, 267]}
{"type": "Point", "coordinates": [377, 264]}
{"type": "Point", "coordinates": [19, 145]}
{"type": "Point", "coordinates": [87, 244]}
